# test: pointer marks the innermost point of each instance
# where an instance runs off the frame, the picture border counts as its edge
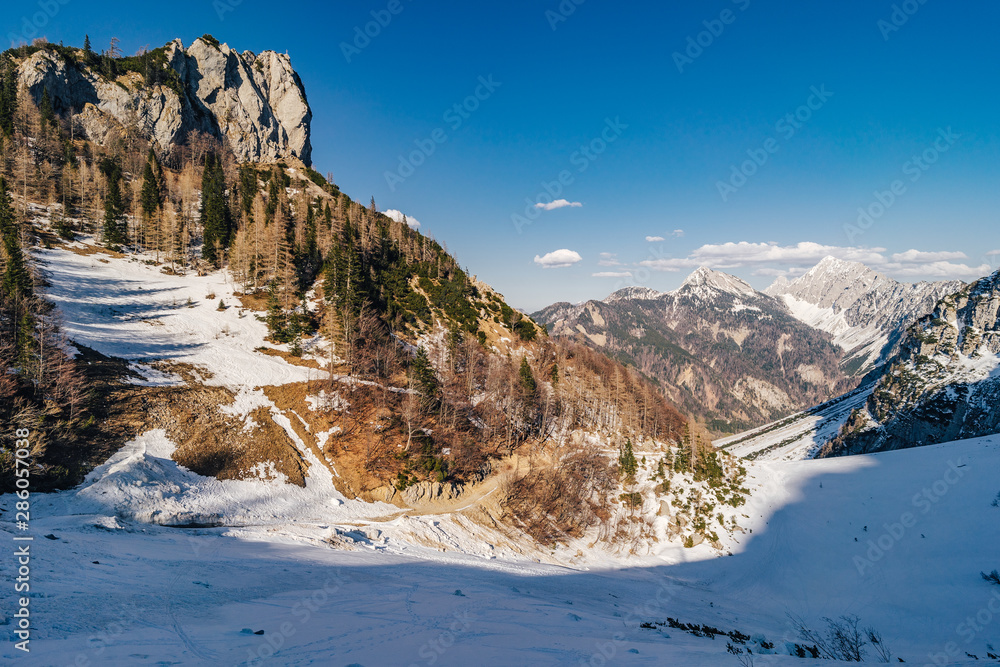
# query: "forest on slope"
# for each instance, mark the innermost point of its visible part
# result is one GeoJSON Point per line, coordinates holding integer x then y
{"type": "Point", "coordinates": [449, 377]}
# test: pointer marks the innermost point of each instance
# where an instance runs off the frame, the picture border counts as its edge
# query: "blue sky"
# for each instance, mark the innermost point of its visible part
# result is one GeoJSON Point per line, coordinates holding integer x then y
{"type": "Point", "coordinates": [646, 141]}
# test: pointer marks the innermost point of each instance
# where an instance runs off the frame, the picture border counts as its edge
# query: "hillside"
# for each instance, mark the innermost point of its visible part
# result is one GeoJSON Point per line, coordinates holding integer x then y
{"type": "Point", "coordinates": [943, 384]}
{"type": "Point", "coordinates": [866, 312]}
{"type": "Point", "coordinates": [726, 354]}
{"type": "Point", "coordinates": [273, 329]}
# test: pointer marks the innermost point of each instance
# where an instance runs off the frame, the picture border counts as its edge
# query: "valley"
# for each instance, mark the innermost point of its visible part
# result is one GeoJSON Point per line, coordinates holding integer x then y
{"type": "Point", "coordinates": [248, 419]}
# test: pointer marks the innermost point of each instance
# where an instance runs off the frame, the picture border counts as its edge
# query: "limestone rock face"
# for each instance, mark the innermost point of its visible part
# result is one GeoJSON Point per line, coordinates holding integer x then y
{"type": "Point", "coordinates": [865, 311]}
{"type": "Point", "coordinates": [943, 385]}
{"type": "Point", "coordinates": [256, 103]}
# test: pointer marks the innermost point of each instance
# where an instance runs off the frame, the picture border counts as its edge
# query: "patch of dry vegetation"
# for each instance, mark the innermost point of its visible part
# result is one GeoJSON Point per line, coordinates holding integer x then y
{"type": "Point", "coordinates": [561, 499]}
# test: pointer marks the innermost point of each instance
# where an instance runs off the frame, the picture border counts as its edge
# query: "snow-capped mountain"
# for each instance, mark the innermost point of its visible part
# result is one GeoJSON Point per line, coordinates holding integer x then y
{"type": "Point", "coordinates": [944, 383]}
{"type": "Point", "coordinates": [865, 311]}
{"type": "Point", "coordinates": [723, 351]}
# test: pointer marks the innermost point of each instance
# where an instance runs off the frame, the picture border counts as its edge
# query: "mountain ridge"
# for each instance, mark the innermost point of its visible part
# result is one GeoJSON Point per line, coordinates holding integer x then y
{"type": "Point", "coordinates": [865, 311]}
{"type": "Point", "coordinates": [944, 382]}
{"type": "Point", "coordinates": [731, 355]}
{"type": "Point", "coordinates": [254, 102]}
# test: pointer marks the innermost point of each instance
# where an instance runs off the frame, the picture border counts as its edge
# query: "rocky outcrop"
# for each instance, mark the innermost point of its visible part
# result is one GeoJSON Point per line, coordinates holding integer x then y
{"type": "Point", "coordinates": [722, 351]}
{"type": "Point", "coordinates": [256, 103]}
{"type": "Point", "coordinates": [865, 311]}
{"type": "Point", "coordinates": [943, 385]}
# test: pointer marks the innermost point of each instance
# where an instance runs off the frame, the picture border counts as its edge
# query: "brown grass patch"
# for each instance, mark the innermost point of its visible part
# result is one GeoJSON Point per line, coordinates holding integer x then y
{"type": "Point", "coordinates": [89, 250]}
{"type": "Point", "coordinates": [256, 301]}
{"type": "Point", "coordinates": [210, 443]}
{"type": "Point", "coordinates": [291, 359]}
{"type": "Point", "coordinates": [560, 500]}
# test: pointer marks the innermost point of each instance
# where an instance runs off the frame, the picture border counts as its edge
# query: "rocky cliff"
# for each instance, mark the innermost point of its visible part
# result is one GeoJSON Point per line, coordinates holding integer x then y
{"type": "Point", "coordinates": [256, 103]}
{"type": "Point", "coordinates": [943, 385]}
{"type": "Point", "coordinates": [726, 353]}
{"type": "Point", "coordinates": [865, 311]}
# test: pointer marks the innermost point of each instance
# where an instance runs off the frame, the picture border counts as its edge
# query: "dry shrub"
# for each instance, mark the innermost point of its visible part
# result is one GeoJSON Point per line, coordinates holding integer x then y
{"type": "Point", "coordinates": [558, 502]}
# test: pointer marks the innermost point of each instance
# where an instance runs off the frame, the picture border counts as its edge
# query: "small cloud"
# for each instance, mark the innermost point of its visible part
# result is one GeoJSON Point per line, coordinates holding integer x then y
{"type": "Point", "coordinates": [919, 256]}
{"type": "Point", "coordinates": [778, 273]}
{"type": "Point", "coordinates": [677, 233]}
{"type": "Point", "coordinates": [559, 203]}
{"type": "Point", "coordinates": [772, 259]}
{"type": "Point", "coordinates": [993, 253]}
{"type": "Point", "coordinates": [558, 259]}
{"type": "Point", "coordinates": [654, 239]}
{"type": "Point", "coordinates": [612, 274]}
{"type": "Point", "coordinates": [608, 259]}
{"type": "Point", "coordinates": [398, 217]}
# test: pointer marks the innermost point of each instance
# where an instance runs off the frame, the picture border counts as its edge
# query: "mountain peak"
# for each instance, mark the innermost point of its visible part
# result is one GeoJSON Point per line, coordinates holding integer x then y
{"type": "Point", "coordinates": [255, 103]}
{"type": "Point", "coordinates": [632, 292]}
{"type": "Point", "coordinates": [831, 263]}
{"type": "Point", "coordinates": [704, 277]}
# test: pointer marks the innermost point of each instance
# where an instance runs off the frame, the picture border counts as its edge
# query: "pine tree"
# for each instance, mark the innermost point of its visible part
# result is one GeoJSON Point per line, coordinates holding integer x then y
{"type": "Point", "coordinates": [16, 278]}
{"type": "Point", "coordinates": [150, 196]}
{"type": "Point", "coordinates": [8, 100]}
{"type": "Point", "coordinates": [423, 378]}
{"type": "Point", "coordinates": [216, 221]}
{"type": "Point", "coordinates": [528, 385]}
{"type": "Point", "coordinates": [276, 320]}
{"type": "Point", "coordinates": [115, 225]}
{"type": "Point", "coordinates": [86, 46]}
{"type": "Point", "coordinates": [627, 465]}
{"type": "Point", "coordinates": [47, 115]}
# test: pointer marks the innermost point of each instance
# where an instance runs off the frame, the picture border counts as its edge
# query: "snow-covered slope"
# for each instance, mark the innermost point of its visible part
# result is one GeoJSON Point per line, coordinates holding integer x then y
{"type": "Point", "coordinates": [799, 436]}
{"type": "Point", "coordinates": [897, 538]}
{"type": "Point", "coordinates": [865, 311]}
{"type": "Point", "coordinates": [127, 308]}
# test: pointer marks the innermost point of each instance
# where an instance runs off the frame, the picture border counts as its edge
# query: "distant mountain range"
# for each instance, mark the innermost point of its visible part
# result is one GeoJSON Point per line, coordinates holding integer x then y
{"type": "Point", "coordinates": [738, 358]}
{"type": "Point", "coordinates": [865, 311]}
{"type": "Point", "coordinates": [730, 355]}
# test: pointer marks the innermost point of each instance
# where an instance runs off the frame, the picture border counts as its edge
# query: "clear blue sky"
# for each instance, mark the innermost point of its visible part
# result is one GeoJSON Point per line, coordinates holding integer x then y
{"type": "Point", "coordinates": [893, 93]}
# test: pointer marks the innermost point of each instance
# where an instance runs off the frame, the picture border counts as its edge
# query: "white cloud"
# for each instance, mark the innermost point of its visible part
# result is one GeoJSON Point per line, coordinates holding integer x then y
{"type": "Point", "coordinates": [398, 217]}
{"type": "Point", "coordinates": [612, 274]}
{"type": "Point", "coordinates": [734, 255]}
{"type": "Point", "coordinates": [993, 253]}
{"type": "Point", "coordinates": [793, 260]}
{"type": "Point", "coordinates": [559, 203]}
{"type": "Point", "coordinates": [775, 273]}
{"type": "Point", "coordinates": [920, 256]}
{"type": "Point", "coordinates": [677, 233]}
{"type": "Point", "coordinates": [609, 259]}
{"type": "Point", "coordinates": [558, 259]}
{"type": "Point", "coordinates": [936, 270]}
